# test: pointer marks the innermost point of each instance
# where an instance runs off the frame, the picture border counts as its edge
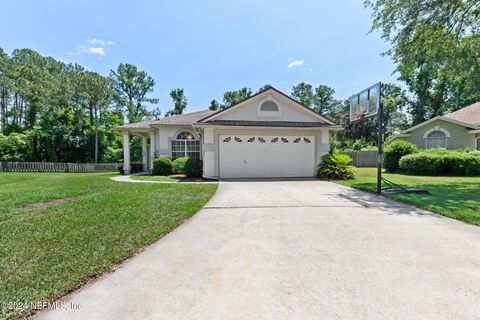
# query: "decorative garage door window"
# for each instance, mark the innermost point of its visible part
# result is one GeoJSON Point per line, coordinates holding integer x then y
{"type": "Point", "coordinates": [185, 145]}
{"type": "Point", "coordinates": [265, 139]}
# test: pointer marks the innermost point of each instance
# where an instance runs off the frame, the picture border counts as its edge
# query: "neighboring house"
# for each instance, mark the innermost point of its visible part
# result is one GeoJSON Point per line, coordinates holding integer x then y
{"type": "Point", "coordinates": [267, 135]}
{"type": "Point", "coordinates": [454, 130]}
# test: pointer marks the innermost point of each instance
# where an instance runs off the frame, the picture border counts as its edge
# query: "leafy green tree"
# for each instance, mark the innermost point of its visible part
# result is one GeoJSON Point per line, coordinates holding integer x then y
{"type": "Point", "coordinates": [264, 87]}
{"type": "Point", "coordinates": [233, 97]}
{"type": "Point", "coordinates": [320, 99]}
{"type": "Point", "coordinates": [99, 96]}
{"type": "Point", "coordinates": [435, 45]}
{"type": "Point", "coordinates": [179, 102]}
{"type": "Point", "coordinates": [323, 99]}
{"type": "Point", "coordinates": [215, 105]}
{"type": "Point", "coordinates": [304, 93]}
{"type": "Point", "coordinates": [132, 86]}
{"type": "Point", "coordinates": [15, 147]}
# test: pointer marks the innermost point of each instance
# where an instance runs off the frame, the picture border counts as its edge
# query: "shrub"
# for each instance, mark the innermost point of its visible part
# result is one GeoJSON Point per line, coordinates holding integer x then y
{"type": "Point", "coordinates": [335, 167]}
{"type": "Point", "coordinates": [442, 162]}
{"type": "Point", "coordinates": [162, 166]}
{"type": "Point", "coordinates": [135, 167]}
{"type": "Point", "coordinates": [179, 164]}
{"type": "Point", "coordinates": [15, 147]}
{"type": "Point", "coordinates": [193, 167]}
{"type": "Point", "coordinates": [394, 151]}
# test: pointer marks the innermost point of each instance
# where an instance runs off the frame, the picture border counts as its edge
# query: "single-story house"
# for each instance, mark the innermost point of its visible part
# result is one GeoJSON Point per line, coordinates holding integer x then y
{"type": "Point", "coordinates": [266, 135]}
{"type": "Point", "coordinates": [455, 130]}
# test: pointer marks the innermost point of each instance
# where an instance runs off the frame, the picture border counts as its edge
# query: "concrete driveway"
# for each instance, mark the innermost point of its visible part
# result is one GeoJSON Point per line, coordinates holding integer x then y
{"type": "Point", "coordinates": [296, 250]}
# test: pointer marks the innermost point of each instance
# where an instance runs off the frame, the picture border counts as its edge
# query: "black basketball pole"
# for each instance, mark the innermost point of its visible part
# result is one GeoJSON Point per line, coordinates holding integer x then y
{"type": "Point", "coordinates": [380, 145]}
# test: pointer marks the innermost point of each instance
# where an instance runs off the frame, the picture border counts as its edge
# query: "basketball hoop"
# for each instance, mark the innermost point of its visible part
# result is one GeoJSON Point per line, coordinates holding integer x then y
{"type": "Point", "coordinates": [365, 104]}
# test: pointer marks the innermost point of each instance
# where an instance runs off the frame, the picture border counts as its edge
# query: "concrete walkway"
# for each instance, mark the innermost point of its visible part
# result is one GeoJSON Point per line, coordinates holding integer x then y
{"type": "Point", "coordinates": [296, 250]}
{"type": "Point", "coordinates": [128, 178]}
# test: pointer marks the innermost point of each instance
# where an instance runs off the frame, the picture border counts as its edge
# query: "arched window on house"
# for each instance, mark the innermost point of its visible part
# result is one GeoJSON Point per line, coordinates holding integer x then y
{"type": "Point", "coordinates": [436, 139]}
{"type": "Point", "coordinates": [185, 144]}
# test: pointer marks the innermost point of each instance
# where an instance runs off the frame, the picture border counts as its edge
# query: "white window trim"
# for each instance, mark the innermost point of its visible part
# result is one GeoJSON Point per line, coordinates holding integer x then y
{"type": "Point", "coordinates": [269, 114]}
{"type": "Point", "coordinates": [195, 138]}
{"type": "Point", "coordinates": [436, 128]}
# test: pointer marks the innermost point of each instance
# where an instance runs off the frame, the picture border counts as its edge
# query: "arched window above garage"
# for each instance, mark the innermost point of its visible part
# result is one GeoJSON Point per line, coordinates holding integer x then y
{"type": "Point", "coordinates": [269, 107]}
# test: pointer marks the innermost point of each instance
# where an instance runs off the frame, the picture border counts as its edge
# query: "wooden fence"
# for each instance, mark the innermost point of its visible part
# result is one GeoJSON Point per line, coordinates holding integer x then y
{"type": "Point", "coordinates": [57, 167]}
{"type": "Point", "coordinates": [367, 158]}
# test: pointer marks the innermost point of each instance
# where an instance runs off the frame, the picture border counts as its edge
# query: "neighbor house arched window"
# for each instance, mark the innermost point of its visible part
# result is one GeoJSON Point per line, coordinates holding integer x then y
{"type": "Point", "coordinates": [436, 139]}
{"type": "Point", "coordinates": [185, 144]}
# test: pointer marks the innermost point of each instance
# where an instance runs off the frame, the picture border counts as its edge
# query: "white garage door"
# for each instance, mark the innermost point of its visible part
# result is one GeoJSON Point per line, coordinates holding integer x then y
{"type": "Point", "coordinates": [266, 156]}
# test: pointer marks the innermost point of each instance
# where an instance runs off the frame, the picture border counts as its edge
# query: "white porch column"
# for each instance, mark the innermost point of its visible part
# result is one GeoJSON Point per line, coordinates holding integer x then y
{"type": "Point", "coordinates": [146, 165]}
{"type": "Point", "coordinates": [126, 152]}
{"type": "Point", "coordinates": [152, 148]}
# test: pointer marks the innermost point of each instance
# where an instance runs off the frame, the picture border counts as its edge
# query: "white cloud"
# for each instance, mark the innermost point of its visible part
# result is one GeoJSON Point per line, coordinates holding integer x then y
{"type": "Point", "coordinates": [295, 64]}
{"type": "Point", "coordinates": [100, 42]}
{"type": "Point", "coordinates": [93, 46]}
{"type": "Point", "coordinates": [96, 50]}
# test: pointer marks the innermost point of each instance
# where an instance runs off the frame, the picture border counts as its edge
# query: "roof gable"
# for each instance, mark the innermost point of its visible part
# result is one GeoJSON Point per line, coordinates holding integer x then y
{"type": "Point", "coordinates": [186, 119]}
{"type": "Point", "coordinates": [469, 114]}
{"type": "Point", "coordinates": [247, 110]}
{"type": "Point", "coordinates": [467, 125]}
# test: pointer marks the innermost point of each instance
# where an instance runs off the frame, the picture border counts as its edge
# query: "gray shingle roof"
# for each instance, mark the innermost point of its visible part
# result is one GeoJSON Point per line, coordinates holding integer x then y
{"type": "Point", "coordinates": [469, 114]}
{"type": "Point", "coordinates": [186, 119]}
{"type": "Point", "coordinates": [268, 123]}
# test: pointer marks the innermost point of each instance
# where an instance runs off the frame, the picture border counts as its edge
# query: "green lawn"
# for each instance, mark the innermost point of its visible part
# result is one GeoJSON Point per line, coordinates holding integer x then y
{"type": "Point", "coordinates": [46, 252]}
{"type": "Point", "coordinates": [454, 197]}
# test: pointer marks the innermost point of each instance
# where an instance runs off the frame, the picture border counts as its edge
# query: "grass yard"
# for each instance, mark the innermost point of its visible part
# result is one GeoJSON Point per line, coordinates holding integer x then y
{"type": "Point", "coordinates": [454, 197]}
{"type": "Point", "coordinates": [45, 252]}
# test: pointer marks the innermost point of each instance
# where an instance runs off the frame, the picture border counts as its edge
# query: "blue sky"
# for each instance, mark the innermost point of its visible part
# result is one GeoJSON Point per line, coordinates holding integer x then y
{"type": "Point", "coordinates": [210, 46]}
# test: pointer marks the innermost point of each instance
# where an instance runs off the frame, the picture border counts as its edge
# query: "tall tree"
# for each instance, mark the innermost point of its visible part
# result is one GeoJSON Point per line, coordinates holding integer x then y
{"type": "Point", "coordinates": [436, 47]}
{"type": "Point", "coordinates": [320, 99]}
{"type": "Point", "coordinates": [233, 97]}
{"type": "Point", "coordinates": [304, 93]}
{"type": "Point", "coordinates": [99, 96]}
{"type": "Point", "coordinates": [132, 87]}
{"type": "Point", "coordinates": [323, 99]}
{"type": "Point", "coordinates": [264, 87]}
{"type": "Point", "coordinates": [215, 105]}
{"type": "Point", "coordinates": [179, 102]}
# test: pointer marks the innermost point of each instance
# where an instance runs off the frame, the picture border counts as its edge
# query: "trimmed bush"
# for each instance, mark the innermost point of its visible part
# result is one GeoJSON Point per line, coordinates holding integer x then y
{"type": "Point", "coordinates": [179, 164]}
{"type": "Point", "coordinates": [394, 151]}
{"type": "Point", "coordinates": [335, 167]}
{"type": "Point", "coordinates": [193, 167]}
{"type": "Point", "coordinates": [442, 162]}
{"type": "Point", "coordinates": [162, 166]}
{"type": "Point", "coordinates": [135, 167]}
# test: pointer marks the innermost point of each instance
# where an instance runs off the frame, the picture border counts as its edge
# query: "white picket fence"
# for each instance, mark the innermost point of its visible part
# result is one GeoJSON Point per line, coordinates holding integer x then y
{"type": "Point", "coordinates": [57, 167]}
{"type": "Point", "coordinates": [366, 158]}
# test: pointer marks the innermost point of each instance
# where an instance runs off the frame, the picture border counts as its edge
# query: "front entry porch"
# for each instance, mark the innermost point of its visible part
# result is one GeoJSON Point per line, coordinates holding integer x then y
{"type": "Point", "coordinates": [148, 152]}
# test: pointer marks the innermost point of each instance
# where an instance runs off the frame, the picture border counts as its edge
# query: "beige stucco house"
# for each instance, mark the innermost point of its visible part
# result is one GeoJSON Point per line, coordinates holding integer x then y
{"type": "Point", "coordinates": [267, 135]}
{"type": "Point", "coordinates": [455, 130]}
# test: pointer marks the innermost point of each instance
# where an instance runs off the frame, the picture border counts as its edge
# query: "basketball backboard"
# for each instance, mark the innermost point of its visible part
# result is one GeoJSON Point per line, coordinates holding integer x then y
{"type": "Point", "coordinates": [365, 104]}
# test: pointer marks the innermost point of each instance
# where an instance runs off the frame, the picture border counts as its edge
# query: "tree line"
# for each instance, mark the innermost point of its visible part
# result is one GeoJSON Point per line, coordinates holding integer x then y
{"type": "Point", "coordinates": [56, 111]}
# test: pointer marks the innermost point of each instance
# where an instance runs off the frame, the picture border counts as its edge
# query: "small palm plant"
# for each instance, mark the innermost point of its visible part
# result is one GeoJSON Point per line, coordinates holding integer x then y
{"type": "Point", "coordinates": [335, 167]}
